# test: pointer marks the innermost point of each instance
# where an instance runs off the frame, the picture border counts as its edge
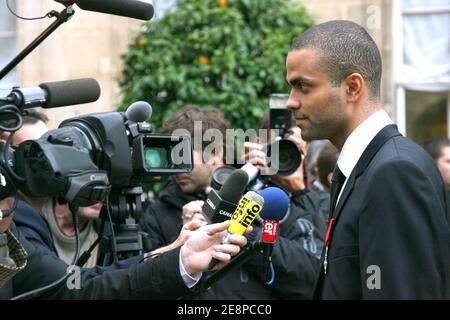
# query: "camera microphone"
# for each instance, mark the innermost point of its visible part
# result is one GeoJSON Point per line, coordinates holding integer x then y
{"type": "Point", "coordinates": [219, 206]}
{"type": "Point", "coordinates": [139, 111]}
{"type": "Point", "coordinates": [55, 94]}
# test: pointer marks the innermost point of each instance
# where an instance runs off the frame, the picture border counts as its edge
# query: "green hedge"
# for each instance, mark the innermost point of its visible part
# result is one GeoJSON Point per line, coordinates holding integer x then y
{"type": "Point", "coordinates": [226, 54]}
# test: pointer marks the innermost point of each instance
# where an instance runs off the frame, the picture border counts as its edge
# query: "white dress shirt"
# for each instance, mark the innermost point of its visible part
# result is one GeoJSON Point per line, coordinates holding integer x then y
{"type": "Point", "coordinates": [358, 141]}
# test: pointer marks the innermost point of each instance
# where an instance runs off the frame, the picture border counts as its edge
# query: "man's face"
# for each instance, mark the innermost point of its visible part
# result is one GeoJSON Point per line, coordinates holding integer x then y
{"type": "Point", "coordinates": [91, 212]}
{"type": "Point", "coordinates": [443, 163]}
{"type": "Point", "coordinates": [199, 178]}
{"type": "Point", "coordinates": [317, 106]}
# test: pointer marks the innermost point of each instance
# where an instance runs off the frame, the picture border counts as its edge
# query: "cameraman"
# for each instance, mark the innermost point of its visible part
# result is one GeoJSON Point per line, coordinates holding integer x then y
{"type": "Point", "coordinates": [50, 225]}
{"type": "Point", "coordinates": [162, 219]}
{"type": "Point", "coordinates": [166, 273]}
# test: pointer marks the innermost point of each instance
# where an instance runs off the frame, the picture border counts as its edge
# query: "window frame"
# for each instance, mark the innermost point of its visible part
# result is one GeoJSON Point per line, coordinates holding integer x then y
{"type": "Point", "coordinates": [399, 86]}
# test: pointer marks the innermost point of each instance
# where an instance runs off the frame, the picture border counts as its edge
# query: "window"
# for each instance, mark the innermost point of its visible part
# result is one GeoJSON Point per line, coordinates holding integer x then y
{"type": "Point", "coordinates": [421, 69]}
{"type": "Point", "coordinates": [8, 44]}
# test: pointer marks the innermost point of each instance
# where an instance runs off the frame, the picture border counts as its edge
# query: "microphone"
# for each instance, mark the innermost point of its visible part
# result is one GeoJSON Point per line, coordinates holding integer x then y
{"type": "Point", "coordinates": [246, 212]}
{"type": "Point", "coordinates": [275, 208]}
{"type": "Point", "coordinates": [126, 8]}
{"type": "Point", "coordinates": [219, 206]}
{"type": "Point", "coordinates": [55, 94]}
{"type": "Point", "coordinates": [139, 111]}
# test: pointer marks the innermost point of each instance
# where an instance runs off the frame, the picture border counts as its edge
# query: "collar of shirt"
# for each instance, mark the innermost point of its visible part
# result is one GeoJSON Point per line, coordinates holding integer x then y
{"type": "Point", "coordinates": [359, 139]}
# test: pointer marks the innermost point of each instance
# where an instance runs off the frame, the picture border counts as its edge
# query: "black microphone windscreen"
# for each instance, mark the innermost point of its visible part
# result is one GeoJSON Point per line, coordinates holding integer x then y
{"type": "Point", "coordinates": [139, 111]}
{"type": "Point", "coordinates": [125, 8]}
{"type": "Point", "coordinates": [70, 92]}
{"type": "Point", "coordinates": [234, 187]}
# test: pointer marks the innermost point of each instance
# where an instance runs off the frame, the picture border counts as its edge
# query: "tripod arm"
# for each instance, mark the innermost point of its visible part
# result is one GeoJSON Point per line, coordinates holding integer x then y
{"type": "Point", "coordinates": [62, 17]}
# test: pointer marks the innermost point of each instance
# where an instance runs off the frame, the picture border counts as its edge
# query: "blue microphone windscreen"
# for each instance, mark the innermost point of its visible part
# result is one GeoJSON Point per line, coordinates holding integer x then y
{"type": "Point", "coordinates": [276, 203]}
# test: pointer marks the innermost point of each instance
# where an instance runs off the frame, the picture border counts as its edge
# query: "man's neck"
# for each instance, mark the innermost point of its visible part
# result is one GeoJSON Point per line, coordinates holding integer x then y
{"type": "Point", "coordinates": [360, 114]}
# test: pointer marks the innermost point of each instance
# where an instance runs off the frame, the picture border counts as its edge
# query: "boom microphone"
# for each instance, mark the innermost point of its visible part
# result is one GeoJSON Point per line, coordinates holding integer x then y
{"type": "Point", "coordinates": [277, 204]}
{"type": "Point", "coordinates": [55, 94]}
{"type": "Point", "coordinates": [125, 8]}
{"type": "Point", "coordinates": [219, 206]}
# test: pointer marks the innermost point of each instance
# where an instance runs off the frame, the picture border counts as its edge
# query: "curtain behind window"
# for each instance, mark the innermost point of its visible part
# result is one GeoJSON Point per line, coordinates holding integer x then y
{"type": "Point", "coordinates": [426, 47]}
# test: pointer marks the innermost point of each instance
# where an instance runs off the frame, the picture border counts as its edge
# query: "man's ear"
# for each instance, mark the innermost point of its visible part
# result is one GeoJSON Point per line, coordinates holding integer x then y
{"type": "Point", "coordinates": [354, 86]}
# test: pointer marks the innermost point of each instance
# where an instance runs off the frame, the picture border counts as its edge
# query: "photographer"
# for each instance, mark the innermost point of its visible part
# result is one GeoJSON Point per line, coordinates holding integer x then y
{"type": "Point", "coordinates": [163, 218]}
{"type": "Point", "coordinates": [297, 251]}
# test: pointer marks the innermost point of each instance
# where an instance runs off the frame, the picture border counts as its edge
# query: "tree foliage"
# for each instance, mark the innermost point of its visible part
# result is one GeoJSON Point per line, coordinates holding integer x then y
{"type": "Point", "coordinates": [225, 54]}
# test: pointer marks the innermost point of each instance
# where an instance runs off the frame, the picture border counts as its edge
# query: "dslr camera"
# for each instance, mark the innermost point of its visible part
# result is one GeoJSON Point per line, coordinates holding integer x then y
{"type": "Point", "coordinates": [282, 153]}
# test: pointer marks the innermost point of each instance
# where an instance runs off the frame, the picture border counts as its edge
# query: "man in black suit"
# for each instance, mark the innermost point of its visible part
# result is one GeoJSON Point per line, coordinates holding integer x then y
{"type": "Point", "coordinates": [388, 234]}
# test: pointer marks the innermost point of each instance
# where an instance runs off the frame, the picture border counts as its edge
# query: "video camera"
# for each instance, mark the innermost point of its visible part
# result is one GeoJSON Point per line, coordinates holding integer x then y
{"type": "Point", "coordinates": [87, 155]}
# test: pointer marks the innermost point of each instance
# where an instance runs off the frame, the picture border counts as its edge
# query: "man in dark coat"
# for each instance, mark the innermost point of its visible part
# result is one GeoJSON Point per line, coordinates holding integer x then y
{"type": "Point", "coordinates": [389, 234]}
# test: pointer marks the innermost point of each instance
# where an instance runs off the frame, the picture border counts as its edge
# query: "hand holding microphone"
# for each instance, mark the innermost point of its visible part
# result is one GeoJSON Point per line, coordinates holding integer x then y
{"type": "Point", "coordinates": [246, 212]}
{"type": "Point", "coordinates": [205, 243]}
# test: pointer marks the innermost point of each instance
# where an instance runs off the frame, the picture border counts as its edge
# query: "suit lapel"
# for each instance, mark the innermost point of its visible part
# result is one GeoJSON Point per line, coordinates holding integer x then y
{"type": "Point", "coordinates": [380, 139]}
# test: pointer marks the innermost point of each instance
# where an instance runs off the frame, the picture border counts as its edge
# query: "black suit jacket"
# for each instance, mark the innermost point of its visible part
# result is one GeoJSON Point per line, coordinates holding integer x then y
{"type": "Point", "coordinates": [391, 238]}
{"type": "Point", "coordinates": [156, 279]}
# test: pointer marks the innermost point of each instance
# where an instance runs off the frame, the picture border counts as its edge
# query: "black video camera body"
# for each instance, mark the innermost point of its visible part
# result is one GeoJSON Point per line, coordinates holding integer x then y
{"type": "Point", "coordinates": [87, 155]}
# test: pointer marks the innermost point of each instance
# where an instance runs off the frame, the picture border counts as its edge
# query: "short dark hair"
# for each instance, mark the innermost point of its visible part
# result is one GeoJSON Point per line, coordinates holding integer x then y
{"type": "Point", "coordinates": [32, 116]}
{"type": "Point", "coordinates": [434, 147]}
{"type": "Point", "coordinates": [345, 48]}
{"type": "Point", "coordinates": [326, 160]}
{"type": "Point", "coordinates": [211, 118]}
